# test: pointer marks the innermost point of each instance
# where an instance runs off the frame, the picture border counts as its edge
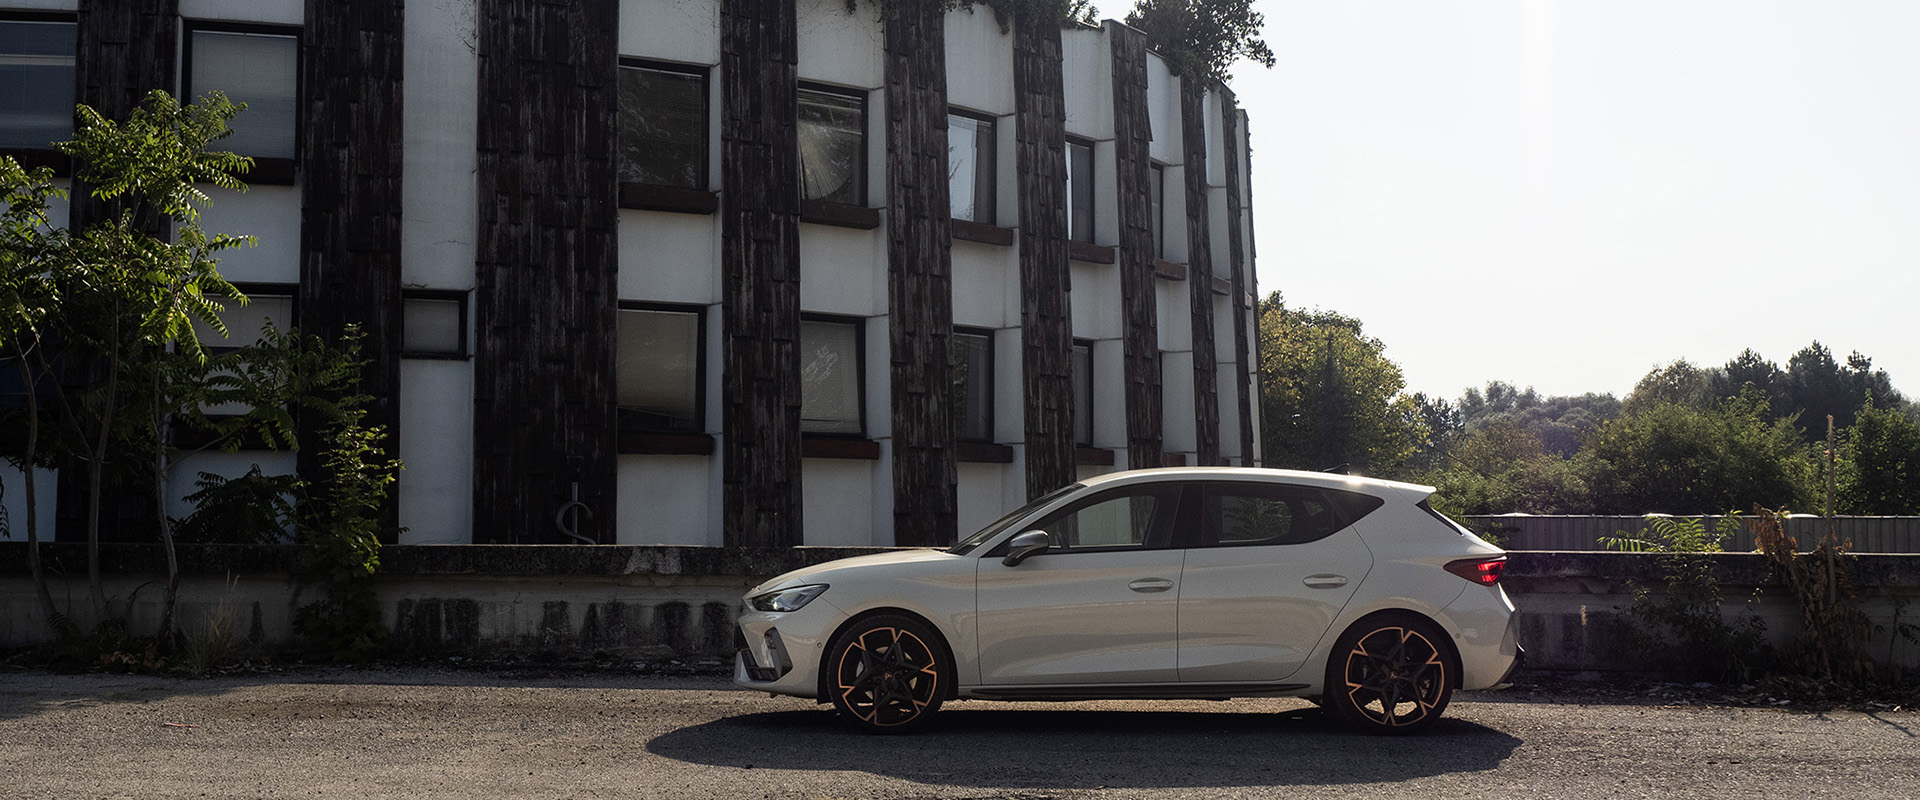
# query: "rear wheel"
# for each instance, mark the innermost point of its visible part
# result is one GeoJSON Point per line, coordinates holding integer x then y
{"type": "Point", "coordinates": [887, 674]}
{"type": "Point", "coordinates": [1391, 674]}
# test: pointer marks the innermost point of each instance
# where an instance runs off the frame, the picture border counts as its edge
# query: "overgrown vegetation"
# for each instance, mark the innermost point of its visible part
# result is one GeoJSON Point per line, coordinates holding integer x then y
{"type": "Point", "coordinates": [1686, 620]}
{"type": "Point", "coordinates": [1203, 38]}
{"type": "Point", "coordinates": [99, 325]}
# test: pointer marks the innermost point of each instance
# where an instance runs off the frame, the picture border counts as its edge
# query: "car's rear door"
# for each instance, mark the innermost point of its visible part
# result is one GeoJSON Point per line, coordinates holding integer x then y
{"type": "Point", "coordinates": [1100, 606]}
{"type": "Point", "coordinates": [1272, 566]}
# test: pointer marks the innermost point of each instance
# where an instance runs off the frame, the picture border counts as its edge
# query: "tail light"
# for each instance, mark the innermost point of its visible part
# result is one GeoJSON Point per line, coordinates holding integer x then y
{"type": "Point", "coordinates": [1483, 571]}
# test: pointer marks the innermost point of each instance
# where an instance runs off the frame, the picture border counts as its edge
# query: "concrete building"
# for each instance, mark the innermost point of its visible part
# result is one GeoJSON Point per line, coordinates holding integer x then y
{"type": "Point", "coordinates": [762, 272]}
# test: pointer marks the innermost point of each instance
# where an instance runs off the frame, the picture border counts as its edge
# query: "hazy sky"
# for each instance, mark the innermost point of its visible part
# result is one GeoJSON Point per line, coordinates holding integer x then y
{"type": "Point", "coordinates": [1564, 194]}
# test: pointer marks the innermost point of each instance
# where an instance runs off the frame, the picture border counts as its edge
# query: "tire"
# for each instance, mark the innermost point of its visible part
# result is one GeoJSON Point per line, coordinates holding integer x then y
{"type": "Point", "coordinates": [887, 673]}
{"type": "Point", "coordinates": [1391, 674]}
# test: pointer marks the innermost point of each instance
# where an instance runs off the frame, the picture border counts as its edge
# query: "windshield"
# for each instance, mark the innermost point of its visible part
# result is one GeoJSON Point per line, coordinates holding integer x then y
{"type": "Point", "coordinates": [1013, 516]}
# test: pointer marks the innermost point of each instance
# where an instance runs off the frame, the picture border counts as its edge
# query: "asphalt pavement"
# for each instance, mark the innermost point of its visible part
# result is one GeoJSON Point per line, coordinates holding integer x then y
{"type": "Point", "coordinates": [420, 733]}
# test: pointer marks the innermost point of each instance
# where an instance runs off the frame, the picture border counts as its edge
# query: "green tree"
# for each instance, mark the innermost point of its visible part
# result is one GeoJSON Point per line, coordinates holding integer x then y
{"type": "Point", "coordinates": [30, 248]}
{"type": "Point", "coordinates": [1879, 470]}
{"type": "Point", "coordinates": [1668, 457]}
{"type": "Point", "coordinates": [1329, 395]}
{"type": "Point", "coordinates": [140, 277]}
{"type": "Point", "coordinates": [1202, 38]}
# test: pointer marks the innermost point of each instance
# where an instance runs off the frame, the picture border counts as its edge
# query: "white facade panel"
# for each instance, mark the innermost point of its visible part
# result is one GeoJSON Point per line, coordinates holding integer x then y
{"type": "Point", "coordinates": [272, 12]}
{"type": "Point", "coordinates": [1176, 402]}
{"type": "Point", "coordinates": [669, 258]}
{"type": "Point", "coordinates": [13, 500]}
{"type": "Point", "coordinates": [836, 500]}
{"type": "Point", "coordinates": [986, 285]}
{"type": "Point", "coordinates": [1087, 70]}
{"type": "Point", "coordinates": [842, 270]}
{"type": "Point", "coordinates": [1163, 111]}
{"type": "Point", "coordinates": [663, 500]}
{"type": "Point", "coordinates": [841, 47]}
{"type": "Point", "coordinates": [1009, 388]}
{"type": "Point", "coordinates": [436, 447]}
{"type": "Point", "coordinates": [982, 55]}
{"type": "Point", "coordinates": [270, 213]}
{"type": "Point", "coordinates": [439, 188]}
{"type": "Point", "coordinates": [1109, 395]}
{"type": "Point", "coordinates": [1174, 308]}
{"type": "Point", "coordinates": [1096, 301]}
{"type": "Point", "coordinates": [687, 31]}
{"type": "Point", "coordinates": [186, 471]}
{"type": "Point", "coordinates": [983, 496]}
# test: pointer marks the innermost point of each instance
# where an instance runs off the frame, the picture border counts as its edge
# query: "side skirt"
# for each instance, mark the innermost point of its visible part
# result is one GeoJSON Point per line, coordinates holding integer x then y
{"type": "Point", "coordinates": [1205, 691]}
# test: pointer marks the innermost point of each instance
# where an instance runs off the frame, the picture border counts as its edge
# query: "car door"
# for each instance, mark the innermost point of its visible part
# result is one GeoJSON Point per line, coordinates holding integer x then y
{"type": "Point", "coordinates": [1099, 606]}
{"type": "Point", "coordinates": [1273, 566]}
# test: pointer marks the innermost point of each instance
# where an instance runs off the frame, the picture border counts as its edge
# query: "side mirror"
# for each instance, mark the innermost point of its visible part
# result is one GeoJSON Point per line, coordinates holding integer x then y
{"type": "Point", "coordinates": [1031, 543]}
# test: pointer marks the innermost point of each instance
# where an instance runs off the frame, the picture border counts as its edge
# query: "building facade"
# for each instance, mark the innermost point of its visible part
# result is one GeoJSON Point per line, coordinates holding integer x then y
{"type": "Point", "coordinates": [755, 273]}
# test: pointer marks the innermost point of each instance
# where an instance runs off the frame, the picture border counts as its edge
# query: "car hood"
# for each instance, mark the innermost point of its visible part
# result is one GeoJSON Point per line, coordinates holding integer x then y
{"type": "Point", "coordinates": [825, 573]}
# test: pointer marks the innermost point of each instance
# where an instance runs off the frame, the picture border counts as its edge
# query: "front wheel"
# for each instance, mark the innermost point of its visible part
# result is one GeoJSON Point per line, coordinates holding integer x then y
{"type": "Point", "coordinates": [1390, 674]}
{"type": "Point", "coordinates": [887, 674]}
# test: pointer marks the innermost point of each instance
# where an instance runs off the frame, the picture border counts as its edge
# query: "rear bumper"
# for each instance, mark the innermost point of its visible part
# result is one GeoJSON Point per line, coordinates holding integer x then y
{"type": "Point", "coordinates": [1519, 660]}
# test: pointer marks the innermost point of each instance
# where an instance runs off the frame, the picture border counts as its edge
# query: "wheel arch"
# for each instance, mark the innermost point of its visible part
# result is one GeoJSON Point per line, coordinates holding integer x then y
{"type": "Point", "coordinates": [940, 641]}
{"type": "Point", "coordinates": [1446, 637]}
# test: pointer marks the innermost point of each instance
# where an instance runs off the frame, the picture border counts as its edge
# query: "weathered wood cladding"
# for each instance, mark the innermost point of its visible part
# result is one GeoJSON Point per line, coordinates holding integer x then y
{"type": "Point", "coordinates": [1131, 137]}
{"type": "Point", "coordinates": [546, 294]}
{"type": "Point", "coordinates": [1241, 277]}
{"type": "Point", "coordinates": [123, 50]}
{"type": "Point", "coordinates": [920, 275]}
{"type": "Point", "coordinates": [350, 167]}
{"type": "Point", "coordinates": [760, 286]}
{"type": "Point", "coordinates": [1046, 323]}
{"type": "Point", "coordinates": [1206, 391]}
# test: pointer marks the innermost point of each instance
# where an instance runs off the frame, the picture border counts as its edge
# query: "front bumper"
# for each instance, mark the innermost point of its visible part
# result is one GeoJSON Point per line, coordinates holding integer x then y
{"type": "Point", "coordinates": [782, 650]}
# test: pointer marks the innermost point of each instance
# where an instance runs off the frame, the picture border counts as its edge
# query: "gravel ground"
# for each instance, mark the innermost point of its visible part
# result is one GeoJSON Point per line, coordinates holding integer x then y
{"type": "Point", "coordinates": [433, 732]}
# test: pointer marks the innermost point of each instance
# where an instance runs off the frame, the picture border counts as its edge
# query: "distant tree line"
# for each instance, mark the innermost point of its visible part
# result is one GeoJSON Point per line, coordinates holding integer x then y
{"type": "Point", "coordinates": [1687, 439]}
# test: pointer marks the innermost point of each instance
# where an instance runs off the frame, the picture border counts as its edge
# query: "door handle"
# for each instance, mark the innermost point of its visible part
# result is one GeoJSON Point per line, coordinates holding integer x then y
{"type": "Point", "coordinates": [1324, 581]}
{"type": "Point", "coordinates": [1151, 585]}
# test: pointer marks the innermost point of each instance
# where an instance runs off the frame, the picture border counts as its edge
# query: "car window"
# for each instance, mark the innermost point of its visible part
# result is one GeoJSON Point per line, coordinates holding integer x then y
{"type": "Point", "coordinates": [1244, 514]}
{"type": "Point", "coordinates": [1130, 517]}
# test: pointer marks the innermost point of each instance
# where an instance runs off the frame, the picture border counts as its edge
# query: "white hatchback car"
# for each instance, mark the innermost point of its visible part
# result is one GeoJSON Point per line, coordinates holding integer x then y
{"type": "Point", "coordinates": [1160, 583]}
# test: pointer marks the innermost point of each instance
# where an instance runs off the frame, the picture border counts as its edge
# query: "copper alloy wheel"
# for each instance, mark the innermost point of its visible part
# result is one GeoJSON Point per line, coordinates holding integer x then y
{"type": "Point", "coordinates": [886, 676]}
{"type": "Point", "coordinates": [1395, 679]}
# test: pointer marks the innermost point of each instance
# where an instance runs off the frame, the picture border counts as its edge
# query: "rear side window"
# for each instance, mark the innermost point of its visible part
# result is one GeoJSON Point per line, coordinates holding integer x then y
{"type": "Point", "coordinates": [1254, 514]}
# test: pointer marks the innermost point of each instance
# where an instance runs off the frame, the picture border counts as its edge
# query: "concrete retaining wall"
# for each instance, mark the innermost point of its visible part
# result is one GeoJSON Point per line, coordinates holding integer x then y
{"type": "Point", "coordinates": [648, 603]}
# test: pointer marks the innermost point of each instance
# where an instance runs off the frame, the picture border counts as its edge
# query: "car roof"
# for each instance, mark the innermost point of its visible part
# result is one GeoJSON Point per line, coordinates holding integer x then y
{"type": "Point", "coordinates": [1325, 480]}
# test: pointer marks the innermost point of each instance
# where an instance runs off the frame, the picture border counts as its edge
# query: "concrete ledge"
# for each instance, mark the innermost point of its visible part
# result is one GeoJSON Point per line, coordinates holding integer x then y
{"type": "Point", "coordinates": [644, 602]}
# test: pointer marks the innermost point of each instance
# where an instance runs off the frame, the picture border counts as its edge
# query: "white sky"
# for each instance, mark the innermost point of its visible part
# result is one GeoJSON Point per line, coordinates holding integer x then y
{"type": "Point", "coordinates": [1565, 193]}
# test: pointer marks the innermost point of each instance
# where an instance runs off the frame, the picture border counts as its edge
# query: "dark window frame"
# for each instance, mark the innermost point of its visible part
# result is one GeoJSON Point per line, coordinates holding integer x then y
{"type": "Point", "coordinates": [863, 196]}
{"type": "Point", "coordinates": [45, 156]}
{"type": "Point", "coordinates": [274, 171]}
{"type": "Point", "coordinates": [705, 180]}
{"type": "Point", "coordinates": [635, 427]}
{"type": "Point", "coordinates": [859, 325]}
{"type": "Point", "coordinates": [960, 422]}
{"type": "Point", "coordinates": [987, 157]}
{"type": "Point", "coordinates": [460, 296]}
{"type": "Point", "coordinates": [1090, 235]}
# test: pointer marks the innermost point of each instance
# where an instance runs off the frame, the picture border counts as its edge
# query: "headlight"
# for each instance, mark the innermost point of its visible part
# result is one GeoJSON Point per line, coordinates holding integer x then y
{"type": "Point", "coordinates": [788, 599]}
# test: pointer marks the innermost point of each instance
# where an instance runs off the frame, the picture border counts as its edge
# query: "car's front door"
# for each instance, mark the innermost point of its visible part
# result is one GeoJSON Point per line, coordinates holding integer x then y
{"type": "Point", "coordinates": [1274, 565]}
{"type": "Point", "coordinates": [1100, 606]}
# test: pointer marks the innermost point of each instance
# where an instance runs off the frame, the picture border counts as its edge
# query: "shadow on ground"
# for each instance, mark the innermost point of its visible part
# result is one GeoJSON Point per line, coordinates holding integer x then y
{"type": "Point", "coordinates": [987, 747]}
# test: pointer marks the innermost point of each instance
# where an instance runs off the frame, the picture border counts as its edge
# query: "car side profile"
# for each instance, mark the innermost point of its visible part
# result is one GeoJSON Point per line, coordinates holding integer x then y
{"type": "Point", "coordinates": [1160, 583]}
